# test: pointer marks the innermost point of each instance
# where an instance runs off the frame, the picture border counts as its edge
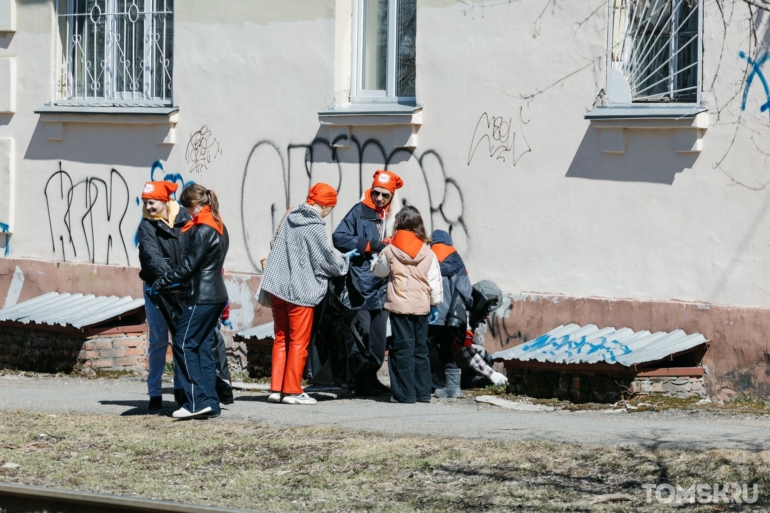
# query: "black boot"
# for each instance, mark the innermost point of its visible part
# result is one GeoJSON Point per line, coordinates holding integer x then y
{"type": "Point", "coordinates": [156, 403]}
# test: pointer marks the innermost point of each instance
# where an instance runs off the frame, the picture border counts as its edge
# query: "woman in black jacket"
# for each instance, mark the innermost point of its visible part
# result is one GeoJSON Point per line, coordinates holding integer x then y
{"type": "Point", "coordinates": [161, 247]}
{"type": "Point", "coordinates": [201, 269]}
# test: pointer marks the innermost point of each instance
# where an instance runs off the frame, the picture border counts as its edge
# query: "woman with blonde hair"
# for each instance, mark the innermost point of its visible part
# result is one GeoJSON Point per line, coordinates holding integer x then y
{"type": "Point", "coordinates": [161, 247]}
{"type": "Point", "coordinates": [202, 270]}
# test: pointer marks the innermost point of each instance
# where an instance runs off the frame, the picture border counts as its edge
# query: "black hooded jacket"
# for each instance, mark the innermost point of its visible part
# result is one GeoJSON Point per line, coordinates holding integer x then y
{"type": "Point", "coordinates": [161, 247]}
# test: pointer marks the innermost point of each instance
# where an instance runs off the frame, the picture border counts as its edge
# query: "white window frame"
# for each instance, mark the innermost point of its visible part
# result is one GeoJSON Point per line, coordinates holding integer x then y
{"type": "Point", "coordinates": [357, 93]}
{"type": "Point", "coordinates": [614, 82]}
{"type": "Point", "coordinates": [65, 81]}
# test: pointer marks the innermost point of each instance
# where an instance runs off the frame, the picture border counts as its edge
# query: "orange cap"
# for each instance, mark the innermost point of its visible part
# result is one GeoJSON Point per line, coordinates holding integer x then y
{"type": "Point", "coordinates": [322, 194]}
{"type": "Point", "coordinates": [159, 190]}
{"type": "Point", "coordinates": [387, 180]}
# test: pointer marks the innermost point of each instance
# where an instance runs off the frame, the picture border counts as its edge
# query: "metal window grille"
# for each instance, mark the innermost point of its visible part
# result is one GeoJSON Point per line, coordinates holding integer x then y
{"type": "Point", "coordinates": [115, 52]}
{"type": "Point", "coordinates": [656, 46]}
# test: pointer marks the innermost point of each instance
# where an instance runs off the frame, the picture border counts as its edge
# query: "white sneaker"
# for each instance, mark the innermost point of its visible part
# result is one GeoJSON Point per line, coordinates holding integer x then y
{"type": "Point", "coordinates": [182, 413]}
{"type": "Point", "coordinates": [302, 398]}
{"type": "Point", "coordinates": [275, 397]}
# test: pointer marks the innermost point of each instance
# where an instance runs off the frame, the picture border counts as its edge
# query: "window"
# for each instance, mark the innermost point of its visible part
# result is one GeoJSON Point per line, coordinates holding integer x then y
{"type": "Point", "coordinates": [116, 52]}
{"type": "Point", "coordinates": [656, 46]}
{"type": "Point", "coordinates": [384, 50]}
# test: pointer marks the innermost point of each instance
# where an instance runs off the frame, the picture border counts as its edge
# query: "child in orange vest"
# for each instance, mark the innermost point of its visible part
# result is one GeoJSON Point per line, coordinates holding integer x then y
{"type": "Point", "coordinates": [413, 295]}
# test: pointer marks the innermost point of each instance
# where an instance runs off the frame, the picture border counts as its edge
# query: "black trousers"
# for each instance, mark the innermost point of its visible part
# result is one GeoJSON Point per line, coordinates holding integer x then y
{"type": "Point", "coordinates": [194, 359]}
{"type": "Point", "coordinates": [441, 354]}
{"type": "Point", "coordinates": [408, 362]}
{"type": "Point", "coordinates": [373, 327]}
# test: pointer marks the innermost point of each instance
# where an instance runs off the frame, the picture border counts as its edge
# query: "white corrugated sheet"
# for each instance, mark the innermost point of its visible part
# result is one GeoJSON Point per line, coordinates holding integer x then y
{"type": "Point", "coordinates": [70, 309]}
{"type": "Point", "coordinates": [259, 332]}
{"type": "Point", "coordinates": [589, 344]}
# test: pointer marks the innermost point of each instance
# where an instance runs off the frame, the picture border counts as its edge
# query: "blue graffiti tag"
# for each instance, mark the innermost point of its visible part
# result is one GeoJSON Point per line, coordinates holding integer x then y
{"type": "Point", "coordinates": [608, 349]}
{"type": "Point", "coordinates": [169, 177]}
{"type": "Point", "coordinates": [756, 72]}
{"type": "Point", "coordinates": [4, 228]}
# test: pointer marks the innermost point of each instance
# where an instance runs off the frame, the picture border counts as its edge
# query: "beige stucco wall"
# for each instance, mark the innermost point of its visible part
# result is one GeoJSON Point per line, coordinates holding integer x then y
{"type": "Point", "coordinates": [553, 215]}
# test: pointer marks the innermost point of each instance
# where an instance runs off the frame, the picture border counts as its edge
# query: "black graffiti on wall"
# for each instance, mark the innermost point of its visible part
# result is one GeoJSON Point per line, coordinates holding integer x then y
{"type": "Point", "coordinates": [202, 148]}
{"type": "Point", "coordinates": [428, 187]}
{"type": "Point", "coordinates": [85, 218]}
{"type": "Point", "coordinates": [495, 138]}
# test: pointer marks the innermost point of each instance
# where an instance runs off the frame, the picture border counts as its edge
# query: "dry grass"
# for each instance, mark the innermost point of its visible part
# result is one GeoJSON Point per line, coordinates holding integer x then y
{"type": "Point", "coordinates": [744, 404]}
{"type": "Point", "coordinates": [253, 466]}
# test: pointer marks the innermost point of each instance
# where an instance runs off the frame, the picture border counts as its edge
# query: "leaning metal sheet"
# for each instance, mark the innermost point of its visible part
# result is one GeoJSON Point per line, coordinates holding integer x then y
{"type": "Point", "coordinates": [589, 344]}
{"type": "Point", "coordinates": [70, 309]}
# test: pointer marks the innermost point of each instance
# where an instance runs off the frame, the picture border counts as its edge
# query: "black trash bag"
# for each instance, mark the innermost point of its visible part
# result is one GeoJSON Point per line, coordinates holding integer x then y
{"type": "Point", "coordinates": [170, 303]}
{"type": "Point", "coordinates": [457, 316]}
{"type": "Point", "coordinates": [331, 330]}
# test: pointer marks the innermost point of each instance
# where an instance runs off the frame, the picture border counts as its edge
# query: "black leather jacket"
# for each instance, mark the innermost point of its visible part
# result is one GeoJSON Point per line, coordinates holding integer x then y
{"type": "Point", "coordinates": [201, 267]}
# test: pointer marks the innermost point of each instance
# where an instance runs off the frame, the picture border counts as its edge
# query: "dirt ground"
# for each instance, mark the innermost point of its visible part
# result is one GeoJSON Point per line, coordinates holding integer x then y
{"type": "Point", "coordinates": [255, 466]}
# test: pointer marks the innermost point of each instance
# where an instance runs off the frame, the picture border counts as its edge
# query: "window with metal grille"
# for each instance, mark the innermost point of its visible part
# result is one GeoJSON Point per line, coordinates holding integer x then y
{"type": "Point", "coordinates": [655, 45]}
{"type": "Point", "coordinates": [384, 50]}
{"type": "Point", "coordinates": [115, 52]}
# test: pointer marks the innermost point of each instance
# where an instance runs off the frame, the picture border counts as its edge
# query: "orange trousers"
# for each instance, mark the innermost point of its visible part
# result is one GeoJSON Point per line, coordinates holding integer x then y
{"type": "Point", "coordinates": [293, 327]}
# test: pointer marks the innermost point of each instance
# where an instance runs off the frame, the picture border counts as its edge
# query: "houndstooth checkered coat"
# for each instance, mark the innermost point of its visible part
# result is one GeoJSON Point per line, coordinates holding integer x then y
{"type": "Point", "coordinates": [301, 260]}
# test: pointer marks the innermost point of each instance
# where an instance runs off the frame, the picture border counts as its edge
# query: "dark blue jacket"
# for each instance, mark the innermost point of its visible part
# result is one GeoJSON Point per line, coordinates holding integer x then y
{"type": "Point", "coordinates": [360, 226]}
{"type": "Point", "coordinates": [454, 276]}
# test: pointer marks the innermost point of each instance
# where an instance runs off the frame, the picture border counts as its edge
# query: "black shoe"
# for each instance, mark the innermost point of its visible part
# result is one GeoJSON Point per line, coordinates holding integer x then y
{"type": "Point", "coordinates": [156, 403]}
{"type": "Point", "coordinates": [179, 397]}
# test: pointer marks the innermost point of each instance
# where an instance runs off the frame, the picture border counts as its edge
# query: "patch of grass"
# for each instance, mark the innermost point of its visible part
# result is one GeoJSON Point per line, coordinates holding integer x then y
{"type": "Point", "coordinates": [748, 399]}
{"type": "Point", "coordinates": [169, 368]}
{"type": "Point", "coordinates": [255, 466]}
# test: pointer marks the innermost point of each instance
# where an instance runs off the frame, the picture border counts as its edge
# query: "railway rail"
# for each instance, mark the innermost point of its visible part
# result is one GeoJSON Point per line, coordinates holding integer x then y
{"type": "Point", "coordinates": [15, 498]}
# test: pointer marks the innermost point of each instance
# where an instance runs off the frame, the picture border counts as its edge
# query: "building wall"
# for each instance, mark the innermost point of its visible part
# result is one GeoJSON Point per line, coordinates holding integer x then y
{"type": "Point", "coordinates": [533, 204]}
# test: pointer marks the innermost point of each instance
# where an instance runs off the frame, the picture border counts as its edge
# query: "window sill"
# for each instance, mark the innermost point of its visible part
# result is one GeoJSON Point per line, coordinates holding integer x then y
{"type": "Point", "coordinates": [689, 122]}
{"type": "Point", "coordinates": [405, 121]}
{"type": "Point", "coordinates": [164, 119]}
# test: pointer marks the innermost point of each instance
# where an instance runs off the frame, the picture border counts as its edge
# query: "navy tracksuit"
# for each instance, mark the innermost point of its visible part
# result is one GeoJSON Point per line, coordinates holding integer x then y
{"type": "Point", "coordinates": [194, 344]}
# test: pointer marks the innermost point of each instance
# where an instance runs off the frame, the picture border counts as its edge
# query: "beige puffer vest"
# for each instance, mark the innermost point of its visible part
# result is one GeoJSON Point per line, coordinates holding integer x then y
{"type": "Point", "coordinates": [414, 284]}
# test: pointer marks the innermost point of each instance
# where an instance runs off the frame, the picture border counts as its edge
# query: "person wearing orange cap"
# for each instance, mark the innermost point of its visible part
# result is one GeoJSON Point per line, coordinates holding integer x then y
{"type": "Point", "coordinates": [297, 271]}
{"type": "Point", "coordinates": [368, 228]}
{"type": "Point", "coordinates": [161, 247]}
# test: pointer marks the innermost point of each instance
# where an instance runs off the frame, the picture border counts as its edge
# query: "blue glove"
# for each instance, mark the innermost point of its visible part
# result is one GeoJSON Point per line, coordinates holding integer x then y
{"type": "Point", "coordinates": [352, 253]}
{"type": "Point", "coordinates": [228, 323]}
{"type": "Point", "coordinates": [152, 291]}
{"type": "Point", "coordinates": [433, 316]}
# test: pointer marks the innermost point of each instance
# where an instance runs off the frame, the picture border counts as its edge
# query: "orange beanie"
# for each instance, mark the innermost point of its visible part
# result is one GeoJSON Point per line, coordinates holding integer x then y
{"type": "Point", "coordinates": [159, 190]}
{"type": "Point", "coordinates": [322, 194]}
{"type": "Point", "coordinates": [387, 180]}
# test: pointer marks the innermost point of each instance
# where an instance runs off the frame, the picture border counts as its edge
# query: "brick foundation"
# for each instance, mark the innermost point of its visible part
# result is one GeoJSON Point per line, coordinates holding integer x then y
{"type": "Point", "coordinates": [583, 387]}
{"type": "Point", "coordinates": [671, 386]}
{"type": "Point", "coordinates": [41, 350]}
{"type": "Point", "coordinates": [259, 354]}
